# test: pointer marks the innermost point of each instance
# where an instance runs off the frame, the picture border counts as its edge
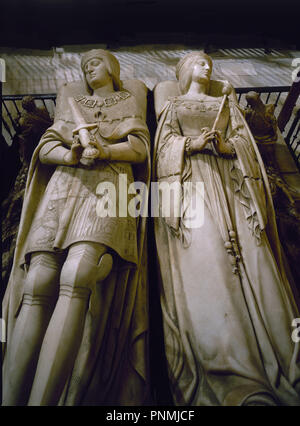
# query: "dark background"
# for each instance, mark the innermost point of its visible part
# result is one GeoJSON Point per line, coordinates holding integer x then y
{"type": "Point", "coordinates": [232, 23]}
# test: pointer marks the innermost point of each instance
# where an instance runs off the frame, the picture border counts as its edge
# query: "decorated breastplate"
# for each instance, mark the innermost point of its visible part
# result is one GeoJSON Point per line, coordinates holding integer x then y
{"type": "Point", "coordinates": [106, 114]}
{"type": "Point", "coordinates": [91, 102]}
{"type": "Point", "coordinates": [110, 110]}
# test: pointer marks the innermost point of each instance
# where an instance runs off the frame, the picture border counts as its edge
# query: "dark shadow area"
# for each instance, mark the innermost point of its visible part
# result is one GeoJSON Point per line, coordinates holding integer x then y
{"type": "Point", "coordinates": [231, 23]}
{"type": "Point", "coordinates": [158, 365]}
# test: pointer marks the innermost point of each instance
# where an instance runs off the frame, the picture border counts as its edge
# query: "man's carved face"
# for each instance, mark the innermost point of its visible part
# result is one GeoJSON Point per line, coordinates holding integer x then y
{"type": "Point", "coordinates": [96, 73]}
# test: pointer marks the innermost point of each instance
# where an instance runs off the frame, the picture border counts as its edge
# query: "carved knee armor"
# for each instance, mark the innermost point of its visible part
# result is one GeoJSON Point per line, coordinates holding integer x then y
{"type": "Point", "coordinates": [42, 281]}
{"type": "Point", "coordinates": [83, 268]}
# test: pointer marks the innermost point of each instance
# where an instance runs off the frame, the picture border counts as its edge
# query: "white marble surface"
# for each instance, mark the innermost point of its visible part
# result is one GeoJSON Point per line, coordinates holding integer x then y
{"type": "Point", "coordinates": [36, 71]}
{"type": "Point", "coordinates": [44, 71]}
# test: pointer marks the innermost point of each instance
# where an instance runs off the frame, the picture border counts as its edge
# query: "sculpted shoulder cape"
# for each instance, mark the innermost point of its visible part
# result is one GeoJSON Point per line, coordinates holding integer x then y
{"type": "Point", "coordinates": [117, 320]}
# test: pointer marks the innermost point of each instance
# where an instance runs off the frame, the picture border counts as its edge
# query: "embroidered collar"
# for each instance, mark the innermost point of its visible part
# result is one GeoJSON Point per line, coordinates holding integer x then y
{"type": "Point", "coordinates": [107, 102]}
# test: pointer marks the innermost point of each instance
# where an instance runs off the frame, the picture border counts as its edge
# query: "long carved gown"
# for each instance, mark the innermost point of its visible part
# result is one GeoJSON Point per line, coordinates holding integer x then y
{"type": "Point", "coordinates": [227, 309]}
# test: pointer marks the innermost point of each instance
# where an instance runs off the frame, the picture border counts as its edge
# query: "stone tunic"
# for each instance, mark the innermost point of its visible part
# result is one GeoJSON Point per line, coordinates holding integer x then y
{"type": "Point", "coordinates": [68, 211]}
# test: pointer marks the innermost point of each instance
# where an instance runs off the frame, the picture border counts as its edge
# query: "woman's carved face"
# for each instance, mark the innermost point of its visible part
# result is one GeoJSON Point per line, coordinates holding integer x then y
{"type": "Point", "coordinates": [201, 70]}
{"type": "Point", "coordinates": [96, 73]}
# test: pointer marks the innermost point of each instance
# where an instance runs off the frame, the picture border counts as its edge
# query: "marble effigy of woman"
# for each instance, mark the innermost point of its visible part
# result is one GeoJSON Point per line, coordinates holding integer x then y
{"type": "Point", "coordinates": [76, 303]}
{"type": "Point", "coordinates": [226, 302]}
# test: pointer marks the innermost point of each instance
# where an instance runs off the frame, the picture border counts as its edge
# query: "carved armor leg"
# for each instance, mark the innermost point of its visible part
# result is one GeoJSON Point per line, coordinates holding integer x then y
{"type": "Point", "coordinates": [86, 264]}
{"type": "Point", "coordinates": [40, 292]}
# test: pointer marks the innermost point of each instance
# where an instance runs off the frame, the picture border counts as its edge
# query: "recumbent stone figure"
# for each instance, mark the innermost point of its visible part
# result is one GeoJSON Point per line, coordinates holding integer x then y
{"type": "Point", "coordinates": [76, 303]}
